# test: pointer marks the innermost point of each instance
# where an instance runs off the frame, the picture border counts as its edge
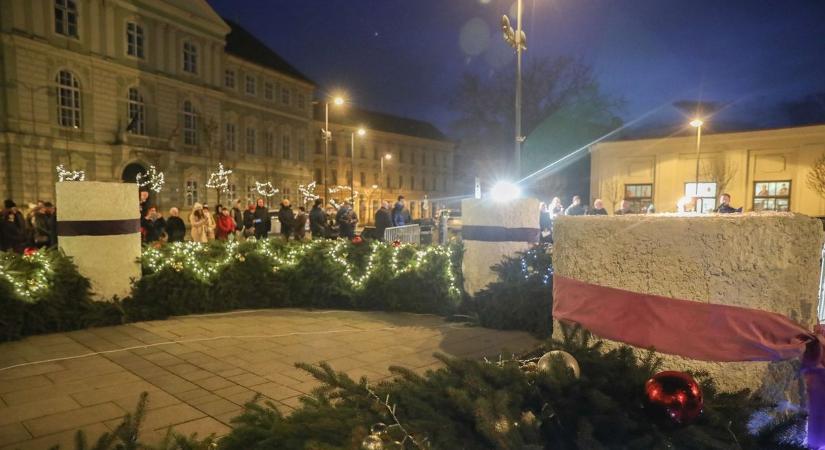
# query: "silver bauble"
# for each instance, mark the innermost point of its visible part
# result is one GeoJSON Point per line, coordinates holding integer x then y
{"type": "Point", "coordinates": [547, 361]}
{"type": "Point", "coordinates": [372, 442]}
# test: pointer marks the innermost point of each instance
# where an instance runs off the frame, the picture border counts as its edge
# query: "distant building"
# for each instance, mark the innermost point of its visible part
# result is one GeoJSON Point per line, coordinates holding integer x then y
{"type": "Point", "coordinates": [763, 170]}
{"type": "Point", "coordinates": [112, 88]}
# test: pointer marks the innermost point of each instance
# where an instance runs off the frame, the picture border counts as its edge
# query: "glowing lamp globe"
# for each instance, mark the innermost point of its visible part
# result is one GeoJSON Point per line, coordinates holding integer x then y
{"type": "Point", "coordinates": [504, 191]}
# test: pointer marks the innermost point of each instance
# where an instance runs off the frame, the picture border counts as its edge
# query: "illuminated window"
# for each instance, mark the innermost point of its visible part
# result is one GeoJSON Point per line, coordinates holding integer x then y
{"type": "Point", "coordinates": [68, 100]}
{"type": "Point", "coordinates": [772, 195]}
{"type": "Point", "coordinates": [191, 192]}
{"type": "Point", "coordinates": [640, 196]}
{"type": "Point", "coordinates": [705, 196]}
{"type": "Point", "coordinates": [134, 40]}
{"type": "Point", "coordinates": [136, 110]}
{"type": "Point", "coordinates": [65, 17]}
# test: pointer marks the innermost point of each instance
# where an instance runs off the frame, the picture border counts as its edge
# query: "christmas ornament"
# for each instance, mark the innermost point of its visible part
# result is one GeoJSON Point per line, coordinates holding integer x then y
{"type": "Point", "coordinates": [549, 359]}
{"type": "Point", "coordinates": [70, 175]}
{"type": "Point", "coordinates": [357, 240]}
{"type": "Point", "coordinates": [372, 442]}
{"type": "Point", "coordinates": [676, 394]}
{"type": "Point", "coordinates": [265, 189]}
{"type": "Point", "coordinates": [307, 191]}
{"type": "Point", "coordinates": [152, 179]}
{"type": "Point", "coordinates": [219, 179]}
{"type": "Point", "coordinates": [396, 243]}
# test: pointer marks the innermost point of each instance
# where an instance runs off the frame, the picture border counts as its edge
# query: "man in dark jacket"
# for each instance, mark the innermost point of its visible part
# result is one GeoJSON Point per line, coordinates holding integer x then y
{"type": "Point", "coordinates": [175, 228]}
{"type": "Point", "coordinates": [598, 208]}
{"type": "Point", "coordinates": [724, 206]}
{"type": "Point", "coordinates": [153, 225]}
{"type": "Point", "coordinates": [261, 220]}
{"type": "Point", "coordinates": [317, 220]}
{"type": "Point", "coordinates": [346, 220]}
{"type": "Point", "coordinates": [287, 219]}
{"type": "Point", "coordinates": [382, 220]}
{"type": "Point", "coordinates": [42, 226]}
{"type": "Point", "coordinates": [400, 215]}
{"type": "Point", "coordinates": [575, 208]}
{"type": "Point", "coordinates": [12, 228]}
{"type": "Point", "coordinates": [237, 216]}
{"type": "Point", "coordinates": [249, 221]}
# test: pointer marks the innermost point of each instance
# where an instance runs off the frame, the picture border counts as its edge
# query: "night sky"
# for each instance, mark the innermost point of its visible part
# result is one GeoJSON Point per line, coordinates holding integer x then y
{"type": "Point", "coordinates": [406, 56]}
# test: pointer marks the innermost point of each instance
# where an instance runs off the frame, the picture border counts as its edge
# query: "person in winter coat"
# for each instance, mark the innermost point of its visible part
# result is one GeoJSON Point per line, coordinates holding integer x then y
{"type": "Point", "coordinates": [175, 228]}
{"type": "Point", "coordinates": [198, 222]}
{"type": "Point", "coordinates": [301, 224]}
{"type": "Point", "coordinates": [287, 219]}
{"type": "Point", "coordinates": [575, 208]}
{"type": "Point", "coordinates": [317, 220]}
{"type": "Point", "coordinates": [225, 225]}
{"type": "Point", "coordinates": [346, 220]}
{"type": "Point", "coordinates": [237, 216]}
{"type": "Point", "coordinates": [153, 225]}
{"type": "Point", "coordinates": [249, 221]}
{"type": "Point", "coordinates": [42, 226]}
{"type": "Point", "coordinates": [12, 228]}
{"type": "Point", "coordinates": [400, 215]}
{"type": "Point", "coordinates": [262, 221]}
{"type": "Point", "coordinates": [383, 220]}
{"type": "Point", "coordinates": [598, 208]}
{"type": "Point", "coordinates": [211, 222]}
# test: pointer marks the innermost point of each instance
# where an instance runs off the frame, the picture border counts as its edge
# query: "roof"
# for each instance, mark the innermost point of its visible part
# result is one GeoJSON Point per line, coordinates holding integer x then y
{"type": "Point", "coordinates": [198, 8]}
{"type": "Point", "coordinates": [243, 44]}
{"type": "Point", "coordinates": [352, 116]}
{"type": "Point", "coordinates": [659, 131]}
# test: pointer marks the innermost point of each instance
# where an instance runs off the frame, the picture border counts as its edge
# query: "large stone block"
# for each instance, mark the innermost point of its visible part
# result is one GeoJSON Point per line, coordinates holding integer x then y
{"type": "Point", "coordinates": [99, 227]}
{"type": "Point", "coordinates": [762, 261]}
{"type": "Point", "coordinates": [491, 231]}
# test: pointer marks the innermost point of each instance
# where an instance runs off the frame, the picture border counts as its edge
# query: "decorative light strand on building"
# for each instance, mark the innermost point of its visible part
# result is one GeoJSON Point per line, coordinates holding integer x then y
{"type": "Point", "coordinates": [266, 189]}
{"type": "Point", "coordinates": [152, 179]}
{"type": "Point", "coordinates": [307, 191]}
{"type": "Point", "coordinates": [69, 175]}
{"type": "Point", "coordinates": [341, 188]}
{"type": "Point", "coordinates": [219, 179]}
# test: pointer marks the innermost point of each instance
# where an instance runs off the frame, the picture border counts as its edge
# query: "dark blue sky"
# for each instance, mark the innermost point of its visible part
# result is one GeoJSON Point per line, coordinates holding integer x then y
{"type": "Point", "coordinates": [406, 56]}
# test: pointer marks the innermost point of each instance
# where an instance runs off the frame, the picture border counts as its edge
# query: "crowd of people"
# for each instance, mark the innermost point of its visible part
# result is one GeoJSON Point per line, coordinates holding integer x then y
{"type": "Point", "coordinates": [37, 228]}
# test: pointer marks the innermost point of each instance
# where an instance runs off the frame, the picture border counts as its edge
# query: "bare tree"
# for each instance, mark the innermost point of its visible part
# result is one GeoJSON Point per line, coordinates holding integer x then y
{"type": "Point", "coordinates": [612, 192]}
{"type": "Point", "coordinates": [816, 177]}
{"type": "Point", "coordinates": [720, 171]}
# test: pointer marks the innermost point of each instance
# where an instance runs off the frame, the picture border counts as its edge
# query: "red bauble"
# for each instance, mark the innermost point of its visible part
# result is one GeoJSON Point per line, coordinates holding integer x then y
{"type": "Point", "coordinates": [396, 243]}
{"type": "Point", "coordinates": [675, 394]}
{"type": "Point", "coordinates": [28, 251]}
{"type": "Point", "coordinates": [357, 240]}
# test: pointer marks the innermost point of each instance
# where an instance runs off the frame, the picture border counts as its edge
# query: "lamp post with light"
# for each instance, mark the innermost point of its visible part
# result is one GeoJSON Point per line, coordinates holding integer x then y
{"type": "Point", "coordinates": [518, 40]}
{"type": "Point", "coordinates": [388, 157]}
{"type": "Point", "coordinates": [361, 132]}
{"type": "Point", "coordinates": [697, 123]}
{"type": "Point", "coordinates": [327, 136]}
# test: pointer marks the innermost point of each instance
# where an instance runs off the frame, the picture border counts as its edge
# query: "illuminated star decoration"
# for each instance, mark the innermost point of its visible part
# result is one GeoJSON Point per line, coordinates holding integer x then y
{"type": "Point", "coordinates": [265, 189]}
{"type": "Point", "coordinates": [220, 179]}
{"type": "Point", "coordinates": [70, 175]}
{"type": "Point", "coordinates": [307, 191]}
{"type": "Point", "coordinates": [339, 188]}
{"type": "Point", "coordinates": [152, 179]}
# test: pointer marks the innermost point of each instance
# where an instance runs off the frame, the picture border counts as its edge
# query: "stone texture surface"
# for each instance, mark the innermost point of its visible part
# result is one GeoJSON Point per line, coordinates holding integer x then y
{"type": "Point", "coordinates": [110, 262]}
{"type": "Point", "coordinates": [761, 261]}
{"type": "Point", "coordinates": [200, 370]}
{"type": "Point", "coordinates": [480, 256]}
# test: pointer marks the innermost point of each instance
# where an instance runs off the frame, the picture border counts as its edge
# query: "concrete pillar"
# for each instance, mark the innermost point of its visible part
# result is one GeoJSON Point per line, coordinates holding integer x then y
{"type": "Point", "coordinates": [490, 231]}
{"type": "Point", "coordinates": [98, 225]}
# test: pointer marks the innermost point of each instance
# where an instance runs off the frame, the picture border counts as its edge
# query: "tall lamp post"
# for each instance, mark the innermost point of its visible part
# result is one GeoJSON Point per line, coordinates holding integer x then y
{"type": "Point", "coordinates": [388, 157]}
{"type": "Point", "coordinates": [697, 123]}
{"type": "Point", "coordinates": [361, 132]}
{"type": "Point", "coordinates": [518, 40]}
{"type": "Point", "coordinates": [327, 136]}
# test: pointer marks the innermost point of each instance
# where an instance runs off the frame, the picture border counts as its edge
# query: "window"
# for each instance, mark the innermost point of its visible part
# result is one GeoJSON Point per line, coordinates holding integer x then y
{"type": "Point", "coordinates": [772, 195]}
{"type": "Point", "coordinates": [190, 124]}
{"type": "Point", "coordinates": [191, 192]}
{"type": "Point", "coordinates": [251, 137]}
{"type": "Point", "coordinates": [65, 17]}
{"type": "Point", "coordinates": [286, 147]}
{"type": "Point", "coordinates": [333, 179]}
{"type": "Point", "coordinates": [136, 110]}
{"type": "Point", "coordinates": [285, 96]}
{"type": "Point", "coordinates": [230, 138]}
{"type": "Point", "coordinates": [318, 147]}
{"type": "Point", "coordinates": [231, 190]}
{"type": "Point", "coordinates": [269, 91]}
{"type": "Point", "coordinates": [68, 100]}
{"type": "Point", "coordinates": [317, 176]}
{"type": "Point", "coordinates": [363, 179]}
{"type": "Point", "coordinates": [705, 196]}
{"type": "Point", "coordinates": [412, 182]}
{"type": "Point", "coordinates": [190, 57]}
{"type": "Point", "coordinates": [134, 40]}
{"type": "Point", "coordinates": [301, 101]}
{"type": "Point", "coordinates": [640, 196]}
{"type": "Point", "coordinates": [269, 143]}
{"type": "Point", "coordinates": [250, 85]}
{"type": "Point", "coordinates": [229, 78]}
{"type": "Point", "coordinates": [302, 149]}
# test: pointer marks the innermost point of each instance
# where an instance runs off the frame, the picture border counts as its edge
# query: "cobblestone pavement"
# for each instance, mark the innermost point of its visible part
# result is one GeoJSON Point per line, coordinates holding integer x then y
{"type": "Point", "coordinates": [199, 370]}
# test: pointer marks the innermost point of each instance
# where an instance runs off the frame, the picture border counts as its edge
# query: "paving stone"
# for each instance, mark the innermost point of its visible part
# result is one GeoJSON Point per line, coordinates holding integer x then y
{"type": "Point", "coordinates": [37, 408]}
{"type": "Point", "coordinates": [204, 426]}
{"type": "Point", "coordinates": [162, 418]}
{"type": "Point", "coordinates": [15, 432]}
{"type": "Point", "coordinates": [18, 384]}
{"type": "Point", "coordinates": [64, 439]}
{"type": "Point", "coordinates": [70, 420]}
{"type": "Point", "coordinates": [217, 407]}
{"type": "Point", "coordinates": [214, 383]}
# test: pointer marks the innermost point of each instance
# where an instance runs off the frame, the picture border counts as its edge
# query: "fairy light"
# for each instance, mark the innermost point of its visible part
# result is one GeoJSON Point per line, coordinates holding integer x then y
{"type": "Point", "coordinates": [265, 189]}
{"type": "Point", "coordinates": [69, 175]}
{"type": "Point", "coordinates": [27, 287]}
{"type": "Point", "coordinates": [219, 179]}
{"type": "Point", "coordinates": [307, 191]}
{"type": "Point", "coordinates": [341, 188]}
{"type": "Point", "coordinates": [153, 179]}
{"type": "Point", "coordinates": [528, 270]}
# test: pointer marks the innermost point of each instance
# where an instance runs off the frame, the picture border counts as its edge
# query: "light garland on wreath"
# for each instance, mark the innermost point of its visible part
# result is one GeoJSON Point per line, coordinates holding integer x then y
{"type": "Point", "coordinates": [27, 288]}
{"type": "Point", "coordinates": [266, 189]}
{"type": "Point", "coordinates": [529, 271]}
{"type": "Point", "coordinates": [219, 179]}
{"type": "Point", "coordinates": [152, 179]}
{"type": "Point", "coordinates": [69, 175]}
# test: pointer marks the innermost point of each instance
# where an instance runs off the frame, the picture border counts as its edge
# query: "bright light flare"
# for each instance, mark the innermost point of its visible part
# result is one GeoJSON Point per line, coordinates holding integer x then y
{"type": "Point", "coordinates": [505, 191]}
{"type": "Point", "coordinates": [338, 101]}
{"type": "Point", "coordinates": [388, 156]}
{"type": "Point", "coordinates": [696, 123]}
{"type": "Point", "coordinates": [361, 132]}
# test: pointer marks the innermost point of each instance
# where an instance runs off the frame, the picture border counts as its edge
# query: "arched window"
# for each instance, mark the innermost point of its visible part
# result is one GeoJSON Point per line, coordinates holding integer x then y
{"type": "Point", "coordinates": [134, 40]}
{"type": "Point", "coordinates": [190, 124]}
{"type": "Point", "coordinates": [136, 110]}
{"type": "Point", "coordinates": [190, 57]}
{"type": "Point", "coordinates": [68, 100]}
{"type": "Point", "coordinates": [65, 17]}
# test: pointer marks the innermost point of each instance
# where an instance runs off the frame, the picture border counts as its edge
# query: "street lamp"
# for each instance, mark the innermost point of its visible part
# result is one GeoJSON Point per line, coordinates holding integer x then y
{"type": "Point", "coordinates": [327, 136]}
{"type": "Point", "coordinates": [697, 123]}
{"type": "Point", "coordinates": [518, 40]}
{"type": "Point", "coordinates": [361, 132]}
{"type": "Point", "coordinates": [388, 157]}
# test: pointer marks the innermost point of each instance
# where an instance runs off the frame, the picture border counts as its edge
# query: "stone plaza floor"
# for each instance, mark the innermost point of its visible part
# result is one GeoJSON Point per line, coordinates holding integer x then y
{"type": "Point", "coordinates": [200, 370]}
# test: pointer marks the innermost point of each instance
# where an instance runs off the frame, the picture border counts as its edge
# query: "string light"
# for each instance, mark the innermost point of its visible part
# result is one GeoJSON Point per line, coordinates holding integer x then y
{"type": "Point", "coordinates": [27, 287]}
{"type": "Point", "coordinates": [340, 188]}
{"type": "Point", "coordinates": [265, 189]}
{"type": "Point", "coordinates": [219, 179]}
{"type": "Point", "coordinates": [152, 179]}
{"type": "Point", "coordinates": [69, 175]}
{"type": "Point", "coordinates": [307, 191]}
{"type": "Point", "coordinates": [528, 270]}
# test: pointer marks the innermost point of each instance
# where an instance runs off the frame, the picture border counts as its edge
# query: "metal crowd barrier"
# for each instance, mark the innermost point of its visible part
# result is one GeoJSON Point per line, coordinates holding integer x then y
{"type": "Point", "coordinates": [406, 234]}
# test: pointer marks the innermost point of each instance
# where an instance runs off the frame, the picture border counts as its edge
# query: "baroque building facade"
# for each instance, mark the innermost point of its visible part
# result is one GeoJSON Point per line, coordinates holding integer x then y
{"type": "Point", "coordinates": [114, 87]}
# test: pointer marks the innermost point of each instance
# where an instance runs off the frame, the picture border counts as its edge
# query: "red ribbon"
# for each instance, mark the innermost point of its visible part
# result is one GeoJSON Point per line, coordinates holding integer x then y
{"type": "Point", "coordinates": [728, 333]}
